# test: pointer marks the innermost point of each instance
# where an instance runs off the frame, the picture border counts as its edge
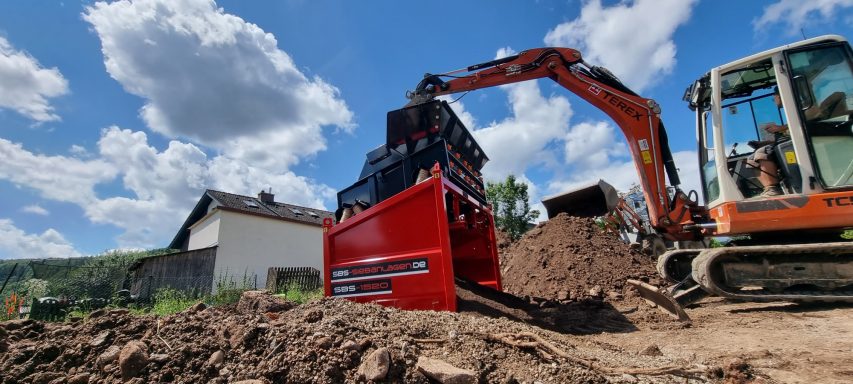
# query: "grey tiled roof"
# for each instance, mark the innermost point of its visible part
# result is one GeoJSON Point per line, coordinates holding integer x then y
{"type": "Point", "coordinates": [249, 205]}
{"type": "Point", "coordinates": [254, 205]}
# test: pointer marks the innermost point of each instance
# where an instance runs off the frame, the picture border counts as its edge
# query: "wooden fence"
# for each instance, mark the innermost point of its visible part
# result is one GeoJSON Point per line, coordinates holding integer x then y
{"type": "Point", "coordinates": [279, 279]}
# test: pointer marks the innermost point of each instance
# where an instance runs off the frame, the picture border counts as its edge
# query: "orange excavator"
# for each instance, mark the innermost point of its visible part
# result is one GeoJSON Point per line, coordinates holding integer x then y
{"type": "Point", "coordinates": [793, 246]}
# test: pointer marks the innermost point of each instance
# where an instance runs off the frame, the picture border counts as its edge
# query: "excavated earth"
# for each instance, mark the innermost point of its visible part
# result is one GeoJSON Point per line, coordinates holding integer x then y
{"type": "Point", "coordinates": [320, 342]}
{"type": "Point", "coordinates": [567, 317]}
{"type": "Point", "coordinates": [570, 257]}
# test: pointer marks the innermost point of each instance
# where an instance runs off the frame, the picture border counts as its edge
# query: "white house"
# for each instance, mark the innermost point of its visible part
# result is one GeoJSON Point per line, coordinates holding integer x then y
{"type": "Point", "coordinates": [252, 234]}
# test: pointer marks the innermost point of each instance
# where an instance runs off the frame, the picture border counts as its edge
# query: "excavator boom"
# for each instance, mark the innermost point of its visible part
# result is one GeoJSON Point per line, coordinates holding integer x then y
{"type": "Point", "coordinates": [677, 217]}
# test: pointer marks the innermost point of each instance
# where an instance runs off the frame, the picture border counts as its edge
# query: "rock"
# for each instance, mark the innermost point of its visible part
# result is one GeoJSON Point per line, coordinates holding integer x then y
{"type": "Point", "coordinates": [563, 295]}
{"type": "Point", "coordinates": [132, 359]}
{"type": "Point", "coordinates": [313, 316]}
{"type": "Point", "coordinates": [159, 357]}
{"type": "Point", "coordinates": [443, 372]}
{"type": "Point", "coordinates": [80, 378]}
{"type": "Point", "coordinates": [109, 356]}
{"type": "Point", "coordinates": [119, 312]}
{"type": "Point", "coordinates": [613, 295]}
{"type": "Point", "coordinates": [101, 339]}
{"type": "Point", "coordinates": [375, 365]}
{"type": "Point", "coordinates": [261, 302]}
{"type": "Point", "coordinates": [44, 377]}
{"type": "Point", "coordinates": [629, 378]}
{"type": "Point", "coordinates": [595, 291]}
{"type": "Point", "coordinates": [252, 381]}
{"type": "Point", "coordinates": [363, 344]}
{"type": "Point", "coordinates": [216, 358]}
{"type": "Point", "coordinates": [651, 350]}
{"type": "Point", "coordinates": [349, 345]}
{"type": "Point", "coordinates": [324, 342]}
{"type": "Point", "coordinates": [197, 307]}
{"type": "Point", "coordinates": [97, 313]}
{"type": "Point", "coordinates": [13, 325]}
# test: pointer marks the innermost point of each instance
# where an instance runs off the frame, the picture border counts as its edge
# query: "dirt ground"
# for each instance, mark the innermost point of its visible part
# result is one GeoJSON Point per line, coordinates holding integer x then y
{"type": "Point", "coordinates": [782, 342]}
{"type": "Point", "coordinates": [575, 322]}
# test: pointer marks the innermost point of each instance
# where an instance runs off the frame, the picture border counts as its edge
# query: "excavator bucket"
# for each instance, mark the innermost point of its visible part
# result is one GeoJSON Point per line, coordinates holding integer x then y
{"type": "Point", "coordinates": [593, 200]}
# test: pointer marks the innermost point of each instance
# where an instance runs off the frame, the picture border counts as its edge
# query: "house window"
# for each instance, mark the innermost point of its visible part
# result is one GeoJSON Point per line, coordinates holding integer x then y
{"type": "Point", "coordinates": [313, 214]}
{"type": "Point", "coordinates": [295, 211]}
{"type": "Point", "coordinates": [250, 203]}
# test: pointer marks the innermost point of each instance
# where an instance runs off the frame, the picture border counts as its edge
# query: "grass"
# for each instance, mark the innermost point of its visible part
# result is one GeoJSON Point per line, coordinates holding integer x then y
{"type": "Point", "coordinates": [297, 295]}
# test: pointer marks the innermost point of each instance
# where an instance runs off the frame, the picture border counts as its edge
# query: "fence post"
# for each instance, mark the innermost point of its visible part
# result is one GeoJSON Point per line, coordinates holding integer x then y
{"type": "Point", "coordinates": [150, 283]}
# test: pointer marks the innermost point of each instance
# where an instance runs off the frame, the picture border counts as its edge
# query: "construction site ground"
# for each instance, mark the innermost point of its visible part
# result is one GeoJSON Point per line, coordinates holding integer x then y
{"type": "Point", "coordinates": [575, 322]}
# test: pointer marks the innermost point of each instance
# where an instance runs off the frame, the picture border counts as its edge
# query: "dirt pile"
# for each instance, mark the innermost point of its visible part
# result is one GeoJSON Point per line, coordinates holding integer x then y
{"type": "Point", "coordinates": [568, 258]}
{"type": "Point", "coordinates": [327, 341]}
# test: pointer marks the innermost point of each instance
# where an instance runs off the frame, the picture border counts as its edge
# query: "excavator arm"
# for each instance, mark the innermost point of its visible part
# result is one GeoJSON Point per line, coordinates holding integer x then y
{"type": "Point", "coordinates": [678, 217]}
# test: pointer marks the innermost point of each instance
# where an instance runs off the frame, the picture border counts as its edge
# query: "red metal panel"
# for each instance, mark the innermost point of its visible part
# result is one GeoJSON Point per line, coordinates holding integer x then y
{"type": "Point", "coordinates": [403, 253]}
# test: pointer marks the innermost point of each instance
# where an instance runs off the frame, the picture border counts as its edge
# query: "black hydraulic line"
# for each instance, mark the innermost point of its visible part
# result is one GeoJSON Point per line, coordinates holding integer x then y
{"type": "Point", "coordinates": [492, 63]}
{"type": "Point", "coordinates": [666, 154]}
{"type": "Point", "coordinates": [12, 272]}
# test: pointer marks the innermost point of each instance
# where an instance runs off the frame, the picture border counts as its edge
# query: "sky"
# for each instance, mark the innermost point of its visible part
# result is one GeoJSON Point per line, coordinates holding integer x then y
{"type": "Point", "coordinates": [116, 116]}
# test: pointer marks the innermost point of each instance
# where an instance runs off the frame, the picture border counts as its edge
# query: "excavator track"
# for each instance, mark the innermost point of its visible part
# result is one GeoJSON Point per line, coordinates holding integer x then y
{"type": "Point", "coordinates": [820, 272]}
{"type": "Point", "coordinates": [675, 265]}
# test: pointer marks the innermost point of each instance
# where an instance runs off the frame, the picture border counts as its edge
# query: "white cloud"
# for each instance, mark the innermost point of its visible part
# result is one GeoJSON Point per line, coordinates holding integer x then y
{"type": "Point", "coordinates": [163, 185]}
{"type": "Point", "coordinates": [35, 209]}
{"type": "Point", "coordinates": [15, 243]}
{"type": "Point", "coordinates": [519, 141]}
{"type": "Point", "coordinates": [59, 178]}
{"type": "Point", "coordinates": [216, 79]}
{"type": "Point", "coordinates": [631, 38]}
{"type": "Point", "coordinates": [622, 174]}
{"type": "Point", "coordinates": [593, 145]}
{"type": "Point", "coordinates": [797, 13]}
{"type": "Point", "coordinates": [27, 86]}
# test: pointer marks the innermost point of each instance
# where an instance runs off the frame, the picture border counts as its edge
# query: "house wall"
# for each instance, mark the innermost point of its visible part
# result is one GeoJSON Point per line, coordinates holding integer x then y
{"type": "Point", "coordinates": [252, 244]}
{"type": "Point", "coordinates": [205, 233]}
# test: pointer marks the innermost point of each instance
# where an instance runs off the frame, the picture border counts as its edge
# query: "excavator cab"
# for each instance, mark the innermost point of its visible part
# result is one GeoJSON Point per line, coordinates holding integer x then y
{"type": "Point", "coordinates": [807, 89]}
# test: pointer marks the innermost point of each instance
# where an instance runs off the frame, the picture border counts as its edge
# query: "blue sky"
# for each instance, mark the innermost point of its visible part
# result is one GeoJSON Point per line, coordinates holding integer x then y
{"type": "Point", "coordinates": [114, 117]}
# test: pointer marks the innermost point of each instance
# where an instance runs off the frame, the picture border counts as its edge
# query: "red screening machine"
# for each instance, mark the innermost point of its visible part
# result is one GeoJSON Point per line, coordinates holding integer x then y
{"type": "Point", "coordinates": [416, 219]}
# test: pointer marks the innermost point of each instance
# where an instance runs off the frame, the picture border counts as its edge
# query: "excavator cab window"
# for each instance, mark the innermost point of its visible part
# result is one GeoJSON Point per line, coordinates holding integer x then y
{"type": "Point", "coordinates": [822, 79]}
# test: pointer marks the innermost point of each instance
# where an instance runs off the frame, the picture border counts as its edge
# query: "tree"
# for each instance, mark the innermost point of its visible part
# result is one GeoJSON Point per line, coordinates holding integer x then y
{"type": "Point", "coordinates": [510, 206]}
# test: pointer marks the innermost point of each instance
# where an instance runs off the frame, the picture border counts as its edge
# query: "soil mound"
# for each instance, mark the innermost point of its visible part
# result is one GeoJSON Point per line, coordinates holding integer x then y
{"type": "Point", "coordinates": [326, 341]}
{"type": "Point", "coordinates": [568, 258]}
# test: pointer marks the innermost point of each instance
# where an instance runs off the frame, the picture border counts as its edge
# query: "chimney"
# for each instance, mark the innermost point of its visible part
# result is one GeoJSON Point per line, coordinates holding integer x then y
{"type": "Point", "coordinates": [266, 197]}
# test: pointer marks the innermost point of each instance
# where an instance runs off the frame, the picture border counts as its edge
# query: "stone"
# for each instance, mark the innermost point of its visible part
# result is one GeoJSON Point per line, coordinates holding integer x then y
{"type": "Point", "coordinates": [44, 377]}
{"type": "Point", "coordinates": [613, 295]}
{"type": "Point", "coordinates": [81, 378]}
{"type": "Point", "coordinates": [101, 339]}
{"type": "Point", "coordinates": [651, 350]}
{"type": "Point", "coordinates": [197, 307]}
{"type": "Point", "coordinates": [443, 372]}
{"type": "Point", "coordinates": [159, 357]}
{"type": "Point", "coordinates": [563, 295]}
{"type": "Point", "coordinates": [261, 302]}
{"type": "Point", "coordinates": [251, 381]}
{"type": "Point", "coordinates": [375, 365]}
{"type": "Point", "coordinates": [349, 345]}
{"type": "Point", "coordinates": [119, 312]}
{"type": "Point", "coordinates": [97, 313]}
{"type": "Point", "coordinates": [595, 291]}
{"type": "Point", "coordinates": [313, 316]}
{"type": "Point", "coordinates": [109, 356]}
{"type": "Point", "coordinates": [132, 359]}
{"type": "Point", "coordinates": [216, 358]}
{"type": "Point", "coordinates": [324, 342]}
